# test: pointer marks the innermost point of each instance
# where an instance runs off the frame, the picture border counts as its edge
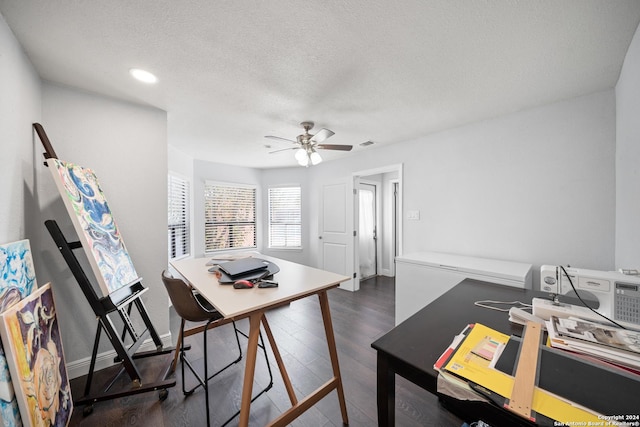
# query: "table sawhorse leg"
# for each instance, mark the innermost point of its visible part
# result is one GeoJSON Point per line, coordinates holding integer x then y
{"type": "Point", "coordinates": [283, 371]}
{"type": "Point", "coordinates": [250, 367]}
{"type": "Point", "coordinates": [333, 352]}
{"type": "Point", "coordinates": [298, 407]}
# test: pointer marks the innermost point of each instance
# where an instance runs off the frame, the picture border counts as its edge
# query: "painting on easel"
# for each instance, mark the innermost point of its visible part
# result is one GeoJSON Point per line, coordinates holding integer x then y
{"type": "Point", "coordinates": [17, 280]}
{"type": "Point", "coordinates": [94, 224]}
{"type": "Point", "coordinates": [30, 334]}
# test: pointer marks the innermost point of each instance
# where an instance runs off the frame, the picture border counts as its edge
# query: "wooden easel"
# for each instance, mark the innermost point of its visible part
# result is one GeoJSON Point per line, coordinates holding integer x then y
{"type": "Point", "coordinates": [121, 302]}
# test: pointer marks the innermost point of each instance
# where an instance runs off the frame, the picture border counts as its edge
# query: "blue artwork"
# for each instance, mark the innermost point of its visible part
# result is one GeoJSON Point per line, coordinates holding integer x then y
{"type": "Point", "coordinates": [94, 223]}
{"type": "Point", "coordinates": [17, 275]}
{"type": "Point", "coordinates": [17, 280]}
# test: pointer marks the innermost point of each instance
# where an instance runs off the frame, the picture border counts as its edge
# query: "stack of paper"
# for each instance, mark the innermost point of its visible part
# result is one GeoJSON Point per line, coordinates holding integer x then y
{"type": "Point", "coordinates": [472, 358]}
{"type": "Point", "coordinates": [611, 344]}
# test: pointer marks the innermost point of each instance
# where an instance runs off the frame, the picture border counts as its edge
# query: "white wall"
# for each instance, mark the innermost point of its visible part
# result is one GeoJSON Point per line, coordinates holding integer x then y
{"type": "Point", "coordinates": [19, 108]}
{"type": "Point", "coordinates": [126, 146]}
{"type": "Point", "coordinates": [179, 162]}
{"type": "Point", "coordinates": [628, 160]}
{"type": "Point", "coordinates": [536, 186]}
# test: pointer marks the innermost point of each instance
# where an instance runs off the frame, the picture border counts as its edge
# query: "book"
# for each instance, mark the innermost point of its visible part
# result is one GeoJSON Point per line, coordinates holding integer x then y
{"type": "Point", "coordinates": [597, 333]}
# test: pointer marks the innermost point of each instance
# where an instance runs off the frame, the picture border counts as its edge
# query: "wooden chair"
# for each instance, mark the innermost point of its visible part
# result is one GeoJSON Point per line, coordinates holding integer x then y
{"type": "Point", "coordinates": [192, 307]}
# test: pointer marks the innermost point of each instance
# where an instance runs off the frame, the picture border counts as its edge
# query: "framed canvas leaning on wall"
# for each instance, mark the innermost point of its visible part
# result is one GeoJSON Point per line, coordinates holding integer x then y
{"type": "Point", "coordinates": [33, 349]}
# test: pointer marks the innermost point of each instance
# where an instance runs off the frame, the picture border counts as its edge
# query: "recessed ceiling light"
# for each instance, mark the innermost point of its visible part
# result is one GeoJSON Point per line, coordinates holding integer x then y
{"type": "Point", "coordinates": [366, 143]}
{"type": "Point", "coordinates": [143, 76]}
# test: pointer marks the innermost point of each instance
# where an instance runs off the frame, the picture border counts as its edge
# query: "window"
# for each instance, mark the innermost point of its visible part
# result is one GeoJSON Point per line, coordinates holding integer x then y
{"type": "Point", "coordinates": [178, 190]}
{"type": "Point", "coordinates": [285, 217]}
{"type": "Point", "coordinates": [230, 216]}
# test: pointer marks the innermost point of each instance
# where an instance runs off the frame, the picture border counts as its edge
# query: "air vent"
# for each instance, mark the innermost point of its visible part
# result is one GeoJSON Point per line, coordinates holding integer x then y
{"type": "Point", "coordinates": [366, 143]}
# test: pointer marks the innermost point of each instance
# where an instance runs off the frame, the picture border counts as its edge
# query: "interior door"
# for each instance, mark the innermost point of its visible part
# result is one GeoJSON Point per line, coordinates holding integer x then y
{"type": "Point", "coordinates": [336, 234]}
{"type": "Point", "coordinates": [367, 231]}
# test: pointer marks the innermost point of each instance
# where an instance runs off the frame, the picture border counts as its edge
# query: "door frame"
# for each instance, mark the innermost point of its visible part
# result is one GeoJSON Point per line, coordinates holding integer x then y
{"type": "Point", "coordinates": [396, 223]}
{"type": "Point", "coordinates": [357, 176]}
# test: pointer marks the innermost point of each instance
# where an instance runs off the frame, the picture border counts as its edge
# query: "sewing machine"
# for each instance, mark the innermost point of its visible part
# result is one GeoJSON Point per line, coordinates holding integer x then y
{"type": "Point", "coordinates": [617, 295]}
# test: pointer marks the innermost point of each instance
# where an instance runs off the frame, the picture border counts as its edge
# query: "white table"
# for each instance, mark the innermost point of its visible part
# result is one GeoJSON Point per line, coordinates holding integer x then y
{"type": "Point", "coordinates": [296, 281]}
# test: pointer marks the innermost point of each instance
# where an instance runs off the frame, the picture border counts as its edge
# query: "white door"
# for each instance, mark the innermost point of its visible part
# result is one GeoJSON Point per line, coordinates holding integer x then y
{"type": "Point", "coordinates": [336, 234]}
{"type": "Point", "coordinates": [367, 231]}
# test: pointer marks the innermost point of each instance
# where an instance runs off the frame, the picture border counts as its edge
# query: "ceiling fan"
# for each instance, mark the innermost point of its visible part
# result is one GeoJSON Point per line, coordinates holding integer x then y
{"type": "Point", "coordinates": [307, 144]}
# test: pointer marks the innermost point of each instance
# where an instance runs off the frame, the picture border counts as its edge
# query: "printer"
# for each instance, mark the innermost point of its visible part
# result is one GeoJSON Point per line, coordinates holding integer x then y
{"type": "Point", "coordinates": [617, 295]}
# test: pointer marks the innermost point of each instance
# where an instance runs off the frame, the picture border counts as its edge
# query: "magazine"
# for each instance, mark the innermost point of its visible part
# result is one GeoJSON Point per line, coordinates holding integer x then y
{"type": "Point", "coordinates": [597, 333]}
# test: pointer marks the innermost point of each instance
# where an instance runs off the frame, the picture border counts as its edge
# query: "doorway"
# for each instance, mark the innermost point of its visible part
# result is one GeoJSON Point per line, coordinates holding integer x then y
{"type": "Point", "coordinates": [378, 202]}
{"type": "Point", "coordinates": [339, 223]}
{"type": "Point", "coordinates": [367, 230]}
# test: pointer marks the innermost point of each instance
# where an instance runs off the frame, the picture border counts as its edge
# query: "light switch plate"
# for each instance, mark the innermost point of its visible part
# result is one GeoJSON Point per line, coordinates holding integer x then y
{"type": "Point", "coordinates": [413, 215]}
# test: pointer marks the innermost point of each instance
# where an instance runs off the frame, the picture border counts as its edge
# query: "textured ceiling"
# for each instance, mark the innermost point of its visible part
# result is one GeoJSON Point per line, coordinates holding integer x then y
{"type": "Point", "coordinates": [233, 71]}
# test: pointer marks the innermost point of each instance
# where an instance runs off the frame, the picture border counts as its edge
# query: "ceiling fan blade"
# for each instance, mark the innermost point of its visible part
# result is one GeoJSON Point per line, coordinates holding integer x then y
{"type": "Point", "coordinates": [277, 138]}
{"type": "Point", "coordinates": [321, 135]}
{"type": "Point", "coordinates": [284, 149]}
{"type": "Point", "coordinates": [334, 147]}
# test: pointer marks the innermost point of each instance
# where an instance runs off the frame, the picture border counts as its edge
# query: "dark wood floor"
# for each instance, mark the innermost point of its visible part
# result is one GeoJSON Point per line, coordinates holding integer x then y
{"type": "Point", "coordinates": [358, 318]}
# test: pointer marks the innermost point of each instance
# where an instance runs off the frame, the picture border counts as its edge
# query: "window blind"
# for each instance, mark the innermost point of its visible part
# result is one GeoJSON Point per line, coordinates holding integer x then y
{"type": "Point", "coordinates": [178, 233]}
{"type": "Point", "coordinates": [230, 217]}
{"type": "Point", "coordinates": [285, 217]}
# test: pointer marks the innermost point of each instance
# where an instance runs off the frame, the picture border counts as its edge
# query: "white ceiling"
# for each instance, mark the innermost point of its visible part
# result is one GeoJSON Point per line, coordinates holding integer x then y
{"type": "Point", "coordinates": [233, 71]}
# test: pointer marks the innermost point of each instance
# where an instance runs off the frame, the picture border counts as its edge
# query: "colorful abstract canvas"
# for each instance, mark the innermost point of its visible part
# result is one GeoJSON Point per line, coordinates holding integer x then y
{"type": "Point", "coordinates": [31, 337]}
{"type": "Point", "coordinates": [17, 280]}
{"type": "Point", "coordinates": [17, 275]}
{"type": "Point", "coordinates": [94, 224]}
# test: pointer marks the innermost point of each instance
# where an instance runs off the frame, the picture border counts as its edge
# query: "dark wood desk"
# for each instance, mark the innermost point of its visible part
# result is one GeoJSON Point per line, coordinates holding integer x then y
{"type": "Point", "coordinates": [411, 348]}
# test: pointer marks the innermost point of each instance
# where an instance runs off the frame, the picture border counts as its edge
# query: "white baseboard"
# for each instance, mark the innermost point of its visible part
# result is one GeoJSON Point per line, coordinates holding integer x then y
{"type": "Point", "coordinates": [386, 272]}
{"type": "Point", "coordinates": [78, 368]}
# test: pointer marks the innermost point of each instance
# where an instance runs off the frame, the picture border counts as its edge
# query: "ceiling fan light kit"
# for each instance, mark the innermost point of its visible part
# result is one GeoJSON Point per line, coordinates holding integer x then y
{"type": "Point", "coordinates": [306, 145]}
{"type": "Point", "coordinates": [305, 157]}
{"type": "Point", "coordinates": [302, 157]}
{"type": "Point", "coordinates": [315, 158]}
